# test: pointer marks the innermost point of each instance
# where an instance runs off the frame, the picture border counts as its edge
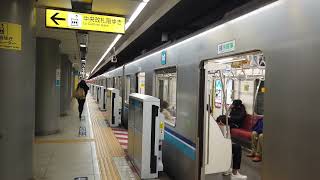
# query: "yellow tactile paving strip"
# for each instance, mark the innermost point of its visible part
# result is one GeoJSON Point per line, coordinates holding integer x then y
{"type": "Point", "coordinates": [107, 146]}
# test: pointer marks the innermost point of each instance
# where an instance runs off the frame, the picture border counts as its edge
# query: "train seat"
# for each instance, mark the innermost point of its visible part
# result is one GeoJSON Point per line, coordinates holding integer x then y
{"type": "Point", "coordinates": [244, 132]}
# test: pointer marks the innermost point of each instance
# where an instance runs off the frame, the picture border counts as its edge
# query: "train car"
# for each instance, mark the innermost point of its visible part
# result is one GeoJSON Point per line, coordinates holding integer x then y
{"type": "Point", "coordinates": [114, 79]}
{"type": "Point", "coordinates": [281, 38]}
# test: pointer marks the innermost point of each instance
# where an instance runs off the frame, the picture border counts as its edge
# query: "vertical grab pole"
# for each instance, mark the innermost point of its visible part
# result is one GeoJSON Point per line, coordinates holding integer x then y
{"type": "Point", "coordinates": [224, 99]}
{"type": "Point", "coordinates": [255, 97]}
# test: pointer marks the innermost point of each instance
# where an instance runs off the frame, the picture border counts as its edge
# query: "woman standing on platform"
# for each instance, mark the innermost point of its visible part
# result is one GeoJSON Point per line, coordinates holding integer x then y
{"type": "Point", "coordinates": [80, 94]}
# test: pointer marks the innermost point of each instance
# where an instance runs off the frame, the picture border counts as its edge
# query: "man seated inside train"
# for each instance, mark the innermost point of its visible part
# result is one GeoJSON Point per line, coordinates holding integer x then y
{"type": "Point", "coordinates": [257, 141]}
{"type": "Point", "coordinates": [236, 153]}
{"type": "Point", "coordinates": [164, 109]}
{"type": "Point", "coordinates": [238, 114]}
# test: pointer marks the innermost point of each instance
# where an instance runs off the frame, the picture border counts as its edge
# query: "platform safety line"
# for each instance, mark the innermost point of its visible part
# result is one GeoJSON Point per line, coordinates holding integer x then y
{"type": "Point", "coordinates": [90, 122]}
{"type": "Point", "coordinates": [91, 135]}
{"type": "Point", "coordinates": [107, 145]}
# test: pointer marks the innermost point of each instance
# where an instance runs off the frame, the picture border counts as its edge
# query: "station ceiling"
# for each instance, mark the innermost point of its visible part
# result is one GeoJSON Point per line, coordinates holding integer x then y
{"type": "Point", "coordinates": [97, 42]}
{"type": "Point", "coordinates": [187, 17]}
{"type": "Point", "coordinates": [175, 18]}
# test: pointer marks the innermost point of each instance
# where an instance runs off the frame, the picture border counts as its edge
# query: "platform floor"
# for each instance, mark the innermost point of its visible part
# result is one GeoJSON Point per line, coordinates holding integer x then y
{"type": "Point", "coordinates": [96, 155]}
{"type": "Point", "coordinates": [248, 168]}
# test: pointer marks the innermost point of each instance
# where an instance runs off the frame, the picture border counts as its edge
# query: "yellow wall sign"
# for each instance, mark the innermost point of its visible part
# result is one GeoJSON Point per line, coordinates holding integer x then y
{"type": "Point", "coordinates": [84, 21]}
{"type": "Point", "coordinates": [10, 36]}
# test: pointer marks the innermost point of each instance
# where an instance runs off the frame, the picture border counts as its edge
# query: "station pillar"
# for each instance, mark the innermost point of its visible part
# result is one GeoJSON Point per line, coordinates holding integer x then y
{"type": "Point", "coordinates": [17, 92]}
{"type": "Point", "coordinates": [48, 82]}
{"type": "Point", "coordinates": [65, 96]}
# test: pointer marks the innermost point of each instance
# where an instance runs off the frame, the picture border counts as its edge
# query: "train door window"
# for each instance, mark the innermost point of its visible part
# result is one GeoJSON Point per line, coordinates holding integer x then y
{"type": "Point", "coordinates": [133, 84]}
{"type": "Point", "coordinates": [114, 82]}
{"type": "Point", "coordinates": [128, 88]}
{"type": "Point", "coordinates": [226, 79]}
{"type": "Point", "coordinates": [120, 85]}
{"type": "Point", "coordinates": [141, 82]}
{"type": "Point", "coordinates": [166, 91]}
{"type": "Point", "coordinates": [110, 82]}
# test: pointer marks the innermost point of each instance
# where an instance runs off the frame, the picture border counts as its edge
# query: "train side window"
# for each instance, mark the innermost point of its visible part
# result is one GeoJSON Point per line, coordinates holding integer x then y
{"type": "Point", "coordinates": [120, 85]}
{"type": "Point", "coordinates": [114, 82]}
{"type": "Point", "coordinates": [218, 95]}
{"type": "Point", "coordinates": [166, 90]}
{"type": "Point", "coordinates": [141, 78]}
{"type": "Point", "coordinates": [133, 84]}
{"type": "Point", "coordinates": [128, 88]}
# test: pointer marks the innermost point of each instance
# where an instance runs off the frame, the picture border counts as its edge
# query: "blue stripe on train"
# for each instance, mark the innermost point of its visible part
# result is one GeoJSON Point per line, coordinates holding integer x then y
{"type": "Point", "coordinates": [183, 146]}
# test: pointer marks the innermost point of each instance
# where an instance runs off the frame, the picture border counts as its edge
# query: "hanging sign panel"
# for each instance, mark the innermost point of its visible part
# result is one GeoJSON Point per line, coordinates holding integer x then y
{"type": "Point", "coordinates": [164, 57]}
{"type": "Point", "coordinates": [10, 36]}
{"type": "Point", "coordinates": [226, 47]}
{"type": "Point", "coordinates": [84, 21]}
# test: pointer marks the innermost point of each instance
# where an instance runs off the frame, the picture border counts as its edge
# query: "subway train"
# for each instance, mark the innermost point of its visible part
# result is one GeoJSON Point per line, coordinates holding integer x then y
{"type": "Point", "coordinates": [268, 58]}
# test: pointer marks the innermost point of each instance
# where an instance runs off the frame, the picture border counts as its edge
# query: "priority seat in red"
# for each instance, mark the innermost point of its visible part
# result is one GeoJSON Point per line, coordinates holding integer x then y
{"type": "Point", "coordinates": [244, 132]}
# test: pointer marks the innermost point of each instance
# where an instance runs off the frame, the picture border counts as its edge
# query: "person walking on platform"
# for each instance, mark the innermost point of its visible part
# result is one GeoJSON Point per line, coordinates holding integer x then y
{"type": "Point", "coordinates": [80, 94]}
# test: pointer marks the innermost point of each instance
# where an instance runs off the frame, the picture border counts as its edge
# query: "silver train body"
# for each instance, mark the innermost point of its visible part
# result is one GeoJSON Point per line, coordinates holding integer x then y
{"type": "Point", "coordinates": [287, 33]}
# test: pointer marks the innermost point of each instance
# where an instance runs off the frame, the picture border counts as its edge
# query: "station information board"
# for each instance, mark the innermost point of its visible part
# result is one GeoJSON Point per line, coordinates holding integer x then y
{"type": "Point", "coordinates": [10, 36]}
{"type": "Point", "coordinates": [84, 21]}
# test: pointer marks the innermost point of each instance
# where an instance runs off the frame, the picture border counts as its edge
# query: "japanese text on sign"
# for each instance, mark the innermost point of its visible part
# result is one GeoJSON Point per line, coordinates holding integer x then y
{"type": "Point", "coordinates": [84, 21]}
{"type": "Point", "coordinates": [227, 47]}
{"type": "Point", "coordinates": [10, 36]}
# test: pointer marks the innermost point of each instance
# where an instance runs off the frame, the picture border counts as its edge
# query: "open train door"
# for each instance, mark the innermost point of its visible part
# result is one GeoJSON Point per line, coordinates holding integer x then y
{"type": "Point", "coordinates": [217, 145]}
{"type": "Point", "coordinates": [223, 80]}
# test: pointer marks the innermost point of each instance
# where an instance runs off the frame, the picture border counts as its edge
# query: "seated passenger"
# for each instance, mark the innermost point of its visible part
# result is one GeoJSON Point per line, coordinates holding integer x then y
{"type": "Point", "coordinates": [238, 114]}
{"type": "Point", "coordinates": [257, 141]}
{"type": "Point", "coordinates": [164, 105]}
{"type": "Point", "coordinates": [236, 154]}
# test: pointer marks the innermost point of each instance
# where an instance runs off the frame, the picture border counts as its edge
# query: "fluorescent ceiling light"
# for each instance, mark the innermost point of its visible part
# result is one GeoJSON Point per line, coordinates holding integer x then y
{"type": "Point", "coordinates": [83, 60]}
{"type": "Point", "coordinates": [83, 45]}
{"type": "Point", "coordinates": [135, 14]}
{"type": "Point", "coordinates": [107, 51]}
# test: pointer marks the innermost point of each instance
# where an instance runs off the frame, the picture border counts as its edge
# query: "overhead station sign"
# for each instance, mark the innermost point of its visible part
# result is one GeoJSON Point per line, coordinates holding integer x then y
{"type": "Point", "coordinates": [84, 21]}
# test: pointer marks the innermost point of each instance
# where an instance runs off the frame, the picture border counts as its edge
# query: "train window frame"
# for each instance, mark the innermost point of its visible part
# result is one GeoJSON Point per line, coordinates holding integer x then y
{"type": "Point", "coordinates": [113, 82]}
{"type": "Point", "coordinates": [127, 89]}
{"type": "Point", "coordinates": [120, 88]}
{"type": "Point", "coordinates": [137, 82]}
{"type": "Point", "coordinates": [167, 70]}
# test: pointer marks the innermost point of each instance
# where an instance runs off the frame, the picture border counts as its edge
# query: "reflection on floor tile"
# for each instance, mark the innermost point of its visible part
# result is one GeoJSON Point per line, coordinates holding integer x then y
{"type": "Point", "coordinates": [248, 168]}
{"type": "Point", "coordinates": [69, 157]}
{"type": "Point", "coordinates": [69, 125]}
{"type": "Point", "coordinates": [123, 168]}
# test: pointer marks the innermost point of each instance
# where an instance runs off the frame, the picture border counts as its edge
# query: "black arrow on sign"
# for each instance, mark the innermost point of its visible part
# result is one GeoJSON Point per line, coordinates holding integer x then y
{"type": "Point", "coordinates": [54, 18]}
